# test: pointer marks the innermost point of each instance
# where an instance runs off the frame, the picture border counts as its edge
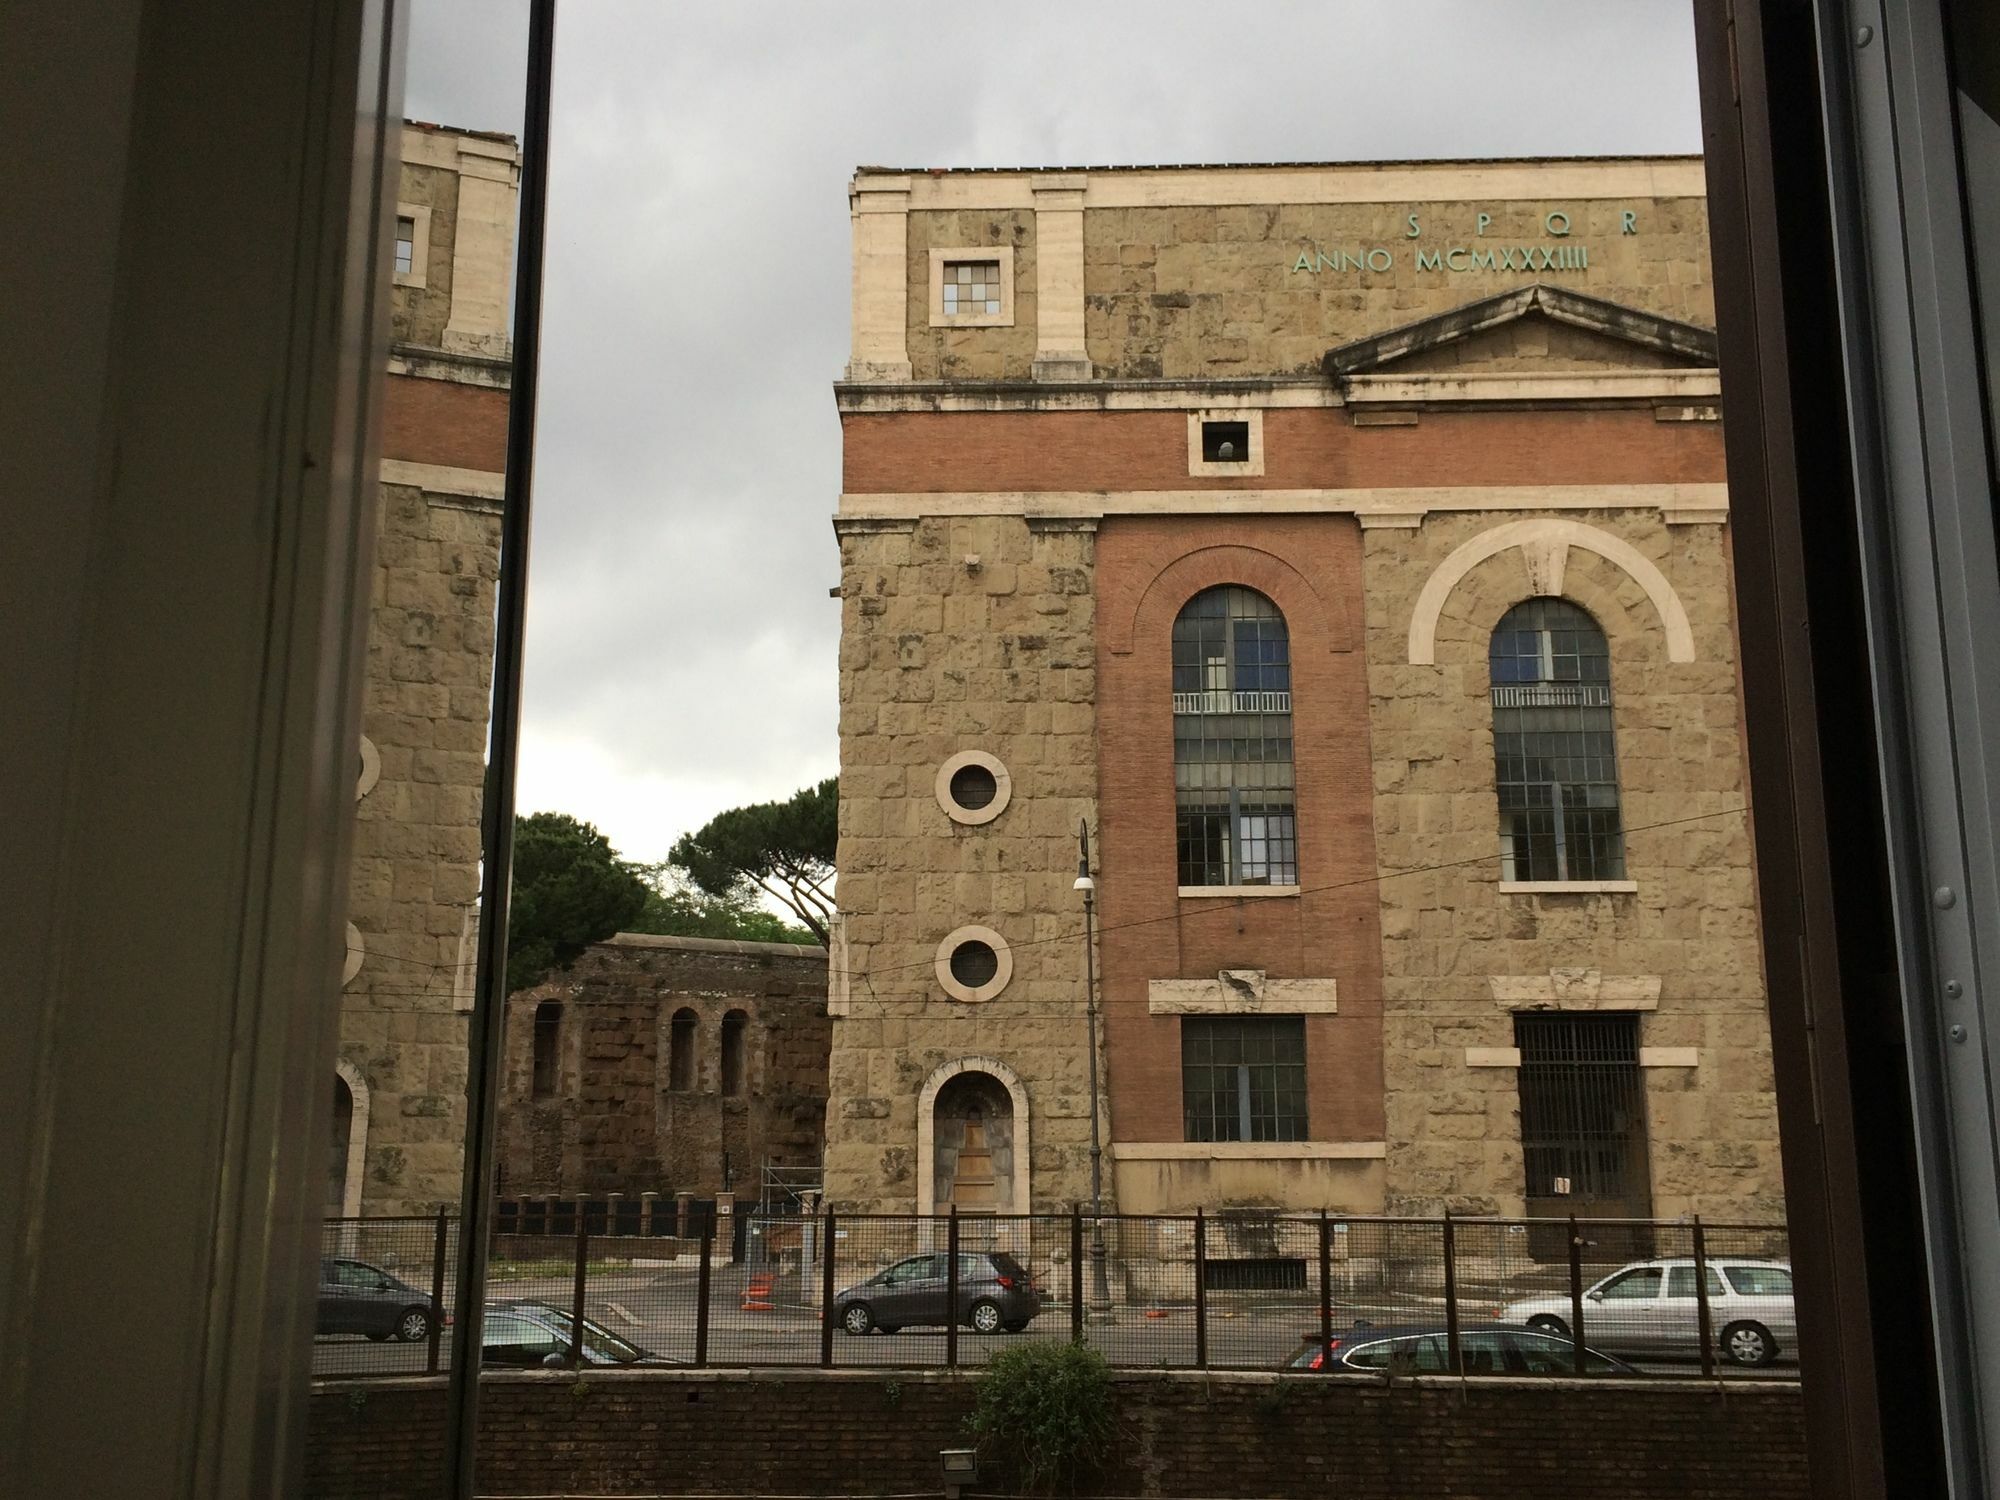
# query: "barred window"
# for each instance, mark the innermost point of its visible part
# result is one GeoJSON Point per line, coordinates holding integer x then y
{"type": "Point", "coordinates": [1236, 823]}
{"type": "Point", "coordinates": [1243, 1078]}
{"type": "Point", "coordinates": [1555, 766]}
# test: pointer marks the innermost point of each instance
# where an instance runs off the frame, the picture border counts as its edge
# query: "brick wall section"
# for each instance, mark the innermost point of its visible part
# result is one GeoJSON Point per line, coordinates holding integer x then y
{"type": "Point", "coordinates": [1304, 448]}
{"type": "Point", "coordinates": [1691, 924]}
{"type": "Point", "coordinates": [1148, 568]}
{"type": "Point", "coordinates": [614, 1124]}
{"type": "Point", "coordinates": [872, 1433]}
{"type": "Point", "coordinates": [1211, 291]}
{"type": "Point", "coordinates": [937, 657]}
{"type": "Point", "coordinates": [444, 422]}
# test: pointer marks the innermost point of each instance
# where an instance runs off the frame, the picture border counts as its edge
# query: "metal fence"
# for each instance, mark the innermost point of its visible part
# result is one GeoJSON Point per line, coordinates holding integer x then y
{"type": "Point", "coordinates": [1232, 1290]}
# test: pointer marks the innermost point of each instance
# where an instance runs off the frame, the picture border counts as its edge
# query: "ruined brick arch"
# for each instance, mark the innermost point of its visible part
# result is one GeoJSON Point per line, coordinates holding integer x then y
{"type": "Point", "coordinates": [1017, 1093]}
{"type": "Point", "coordinates": [357, 1137]}
{"type": "Point", "coordinates": [1308, 614]}
{"type": "Point", "coordinates": [1544, 543]}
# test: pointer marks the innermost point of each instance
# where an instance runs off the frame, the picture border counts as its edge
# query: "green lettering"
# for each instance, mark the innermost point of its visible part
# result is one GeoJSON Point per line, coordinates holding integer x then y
{"type": "Point", "coordinates": [1303, 263]}
{"type": "Point", "coordinates": [1453, 256]}
{"type": "Point", "coordinates": [1483, 260]}
{"type": "Point", "coordinates": [1414, 231]}
{"type": "Point", "coordinates": [1628, 222]}
{"type": "Point", "coordinates": [1429, 260]}
{"type": "Point", "coordinates": [1387, 261]}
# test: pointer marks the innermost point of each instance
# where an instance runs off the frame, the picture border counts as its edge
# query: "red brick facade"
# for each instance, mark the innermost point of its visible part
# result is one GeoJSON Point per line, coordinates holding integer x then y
{"type": "Point", "coordinates": [1310, 567]}
{"type": "Point", "coordinates": [444, 422]}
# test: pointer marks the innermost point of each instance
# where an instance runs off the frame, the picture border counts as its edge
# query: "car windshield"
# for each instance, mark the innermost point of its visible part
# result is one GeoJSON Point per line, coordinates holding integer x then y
{"type": "Point", "coordinates": [598, 1340]}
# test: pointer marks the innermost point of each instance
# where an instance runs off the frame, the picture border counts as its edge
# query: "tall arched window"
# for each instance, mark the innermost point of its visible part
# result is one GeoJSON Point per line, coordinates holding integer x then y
{"type": "Point", "coordinates": [548, 1032]}
{"type": "Point", "coordinates": [1236, 818]}
{"type": "Point", "coordinates": [735, 1026]}
{"type": "Point", "coordinates": [1555, 766]}
{"type": "Point", "coordinates": [680, 1051]}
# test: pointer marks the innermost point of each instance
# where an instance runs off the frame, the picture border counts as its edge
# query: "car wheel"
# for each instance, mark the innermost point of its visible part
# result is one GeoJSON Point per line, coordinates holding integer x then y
{"type": "Point", "coordinates": [1015, 1325]}
{"type": "Point", "coordinates": [985, 1317]}
{"type": "Point", "coordinates": [413, 1326]}
{"type": "Point", "coordinates": [1553, 1326]}
{"type": "Point", "coordinates": [856, 1318]}
{"type": "Point", "coordinates": [1748, 1344]}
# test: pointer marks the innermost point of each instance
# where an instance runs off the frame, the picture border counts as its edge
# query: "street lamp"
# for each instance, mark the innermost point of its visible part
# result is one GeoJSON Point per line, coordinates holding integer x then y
{"type": "Point", "coordinates": [1100, 1290]}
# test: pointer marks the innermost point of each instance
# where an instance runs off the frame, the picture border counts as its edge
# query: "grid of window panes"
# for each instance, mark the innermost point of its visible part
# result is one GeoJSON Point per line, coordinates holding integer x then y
{"type": "Point", "coordinates": [406, 244]}
{"type": "Point", "coordinates": [1243, 1078]}
{"type": "Point", "coordinates": [1235, 814]}
{"type": "Point", "coordinates": [971, 288]}
{"type": "Point", "coordinates": [1555, 764]}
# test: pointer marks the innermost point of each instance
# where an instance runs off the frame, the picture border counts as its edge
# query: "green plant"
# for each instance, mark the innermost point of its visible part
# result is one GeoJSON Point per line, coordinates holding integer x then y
{"type": "Point", "coordinates": [892, 1392]}
{"type": "Point", "coordinates": [1044, 1409]}
{"type": "Point", "coordinates": [356, 1401]}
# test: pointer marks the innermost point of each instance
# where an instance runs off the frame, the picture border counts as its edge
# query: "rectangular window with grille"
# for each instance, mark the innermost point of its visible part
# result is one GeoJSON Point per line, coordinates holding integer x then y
{"type": "Point", "coordinates": [1243, 1078]}
{"type": "Point", "coordinates": [1583, 1121]}
{"type": "Point", "coordinates": [971, 288]}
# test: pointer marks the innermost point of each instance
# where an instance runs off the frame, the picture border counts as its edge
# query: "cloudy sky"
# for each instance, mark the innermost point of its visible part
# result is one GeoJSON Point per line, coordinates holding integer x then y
{"type": "Point", "coordinates": [681, 642]}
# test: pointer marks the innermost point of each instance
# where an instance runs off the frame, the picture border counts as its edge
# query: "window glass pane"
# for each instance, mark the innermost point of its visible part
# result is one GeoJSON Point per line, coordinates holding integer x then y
{"type": "Point", "coordinates": [1243, 1078]}
{"type": "Point", "coordinates": [1644, 1282]}
{"type": "Point", "coordinates": [1760, 1281]}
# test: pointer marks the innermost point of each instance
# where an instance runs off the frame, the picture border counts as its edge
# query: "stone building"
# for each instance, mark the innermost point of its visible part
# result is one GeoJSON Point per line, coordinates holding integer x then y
{"type": "Point", "coordinates": [663, 1065]}
{"type": "Point", "coordinates": [1348, 546]}
{"type": "Point", "coordinates": [399, 1099]}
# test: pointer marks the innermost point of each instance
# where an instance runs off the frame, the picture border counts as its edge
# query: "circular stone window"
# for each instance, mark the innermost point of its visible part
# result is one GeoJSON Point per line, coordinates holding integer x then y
{"type": "Point", "coordinates": [974, 964]}
{"type": "Point", "coordinates": [973, 787]}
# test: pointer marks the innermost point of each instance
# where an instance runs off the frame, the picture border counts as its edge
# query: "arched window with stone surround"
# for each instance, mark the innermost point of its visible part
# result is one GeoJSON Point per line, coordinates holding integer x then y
{"type": "Point", "coordinates": [680, 1050]}
{"type": "Point", "coordinates": [735, 1035]}
{"type": "Point", "coordinates": [1236, 819]}
{"type": "Point", "coordinates": [1555, 762]}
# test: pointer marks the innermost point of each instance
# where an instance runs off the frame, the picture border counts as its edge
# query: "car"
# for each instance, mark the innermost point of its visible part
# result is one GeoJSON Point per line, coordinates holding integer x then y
{"type": "Point", "coordinates": [356, 1296]}
{"type": "Point", "coordinates": [995, 1292]}
{"type": "Point", "coordinates": [1650, 1307]}
{"type": "Point", "coordinates": [1425, 1349]}
{"type": "Point", "coordinates": [525, 1334]}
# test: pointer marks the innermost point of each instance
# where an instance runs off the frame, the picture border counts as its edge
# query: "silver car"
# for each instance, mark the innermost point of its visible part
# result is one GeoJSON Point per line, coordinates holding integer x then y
{"type": "Point", "coordinates": [1649, 1307]}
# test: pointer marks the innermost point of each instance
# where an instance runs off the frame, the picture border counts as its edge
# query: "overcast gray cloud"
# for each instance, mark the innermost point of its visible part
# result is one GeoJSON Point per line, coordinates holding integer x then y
{"type": "Point", "coordinates": [681, 644]}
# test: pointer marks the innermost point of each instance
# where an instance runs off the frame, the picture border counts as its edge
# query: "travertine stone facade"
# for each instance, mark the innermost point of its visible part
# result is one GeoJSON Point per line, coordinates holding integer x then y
{"type": "Point", "coordinates": [399, 1107]}
{"type": "Point", "coordinates": [972, 353]}
{"type": "Point", "coordinates": [1449, 930]}
{"type": "Point", "coordinates": [617, 1120]}
{"type": "Point", "coordinates": [959, 635]}
{"type": "Point", "coordinates": [1470, 385]}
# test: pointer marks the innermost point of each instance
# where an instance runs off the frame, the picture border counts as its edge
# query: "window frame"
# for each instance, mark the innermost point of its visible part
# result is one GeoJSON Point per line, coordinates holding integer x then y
{"type": "Point", "coordinates": [1287, 1111]}
{"type": "Point", "coordinates": [420, 245]}
{"type": "Point", "coordinates": [942, 256]}
{"type": "Point", "coordinates": [1214, 837]}
{"type": "Point", "coordinates": [1542, 770]}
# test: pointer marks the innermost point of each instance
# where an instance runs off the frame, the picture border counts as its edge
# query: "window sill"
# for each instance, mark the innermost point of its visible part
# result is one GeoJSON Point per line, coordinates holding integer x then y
{"type": "Point", "coordinates": [1568, 887]}
{"type": "Point", "coordinates": [1233, 891]}
{"type": "Point", "coordinates": [1249, 1150]}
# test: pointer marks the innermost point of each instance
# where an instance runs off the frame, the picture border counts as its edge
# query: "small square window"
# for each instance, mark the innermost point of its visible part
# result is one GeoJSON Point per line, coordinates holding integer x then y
{"type": "Point", "coordinates": [972, 287]}
{"type": "Point", "coordinates": [1225, 442]}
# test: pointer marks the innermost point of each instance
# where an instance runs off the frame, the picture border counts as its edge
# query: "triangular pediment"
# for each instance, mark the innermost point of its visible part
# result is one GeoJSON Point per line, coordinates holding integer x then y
{"type": "Point", "coordinates": [1588, 332]}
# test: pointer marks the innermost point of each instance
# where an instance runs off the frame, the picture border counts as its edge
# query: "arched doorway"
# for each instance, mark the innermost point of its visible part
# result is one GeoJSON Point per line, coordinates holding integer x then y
{"type": "Point", "coordinates": [337, 1147]}
{"type": "Point", "coordinates": [973, 1146]}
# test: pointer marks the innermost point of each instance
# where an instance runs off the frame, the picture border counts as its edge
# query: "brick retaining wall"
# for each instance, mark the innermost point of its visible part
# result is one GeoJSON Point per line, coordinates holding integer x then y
{"type": "Point", "coordinates": [866, 1432]}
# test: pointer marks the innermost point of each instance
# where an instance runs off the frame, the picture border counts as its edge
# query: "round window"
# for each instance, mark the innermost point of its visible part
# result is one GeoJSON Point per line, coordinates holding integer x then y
{"type": "Point", "coordinates": [973, 963]}
{"type": "Point", "coordinates": [973, 787]}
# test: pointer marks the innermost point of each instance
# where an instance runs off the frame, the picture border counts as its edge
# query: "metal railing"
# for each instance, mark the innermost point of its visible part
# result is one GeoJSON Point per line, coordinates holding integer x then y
{"type": "Point", "coordinates": [1229, 1290]}
{"type": "Point", "coordinates": [1227, 701]}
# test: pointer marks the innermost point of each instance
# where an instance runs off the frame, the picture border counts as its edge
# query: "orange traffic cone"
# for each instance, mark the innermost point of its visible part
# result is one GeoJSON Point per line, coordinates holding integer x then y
{"type": "Point", "coordinates": [757, 1294]}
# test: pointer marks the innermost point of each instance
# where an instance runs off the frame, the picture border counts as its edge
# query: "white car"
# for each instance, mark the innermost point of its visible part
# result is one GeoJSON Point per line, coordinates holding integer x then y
{"type": "Point", "coordinates": [1649, 1307]}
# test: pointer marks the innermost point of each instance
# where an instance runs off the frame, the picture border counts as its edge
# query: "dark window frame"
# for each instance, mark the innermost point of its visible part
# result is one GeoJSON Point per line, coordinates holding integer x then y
{"type": "Point", "coordinates": [1243, 1078]}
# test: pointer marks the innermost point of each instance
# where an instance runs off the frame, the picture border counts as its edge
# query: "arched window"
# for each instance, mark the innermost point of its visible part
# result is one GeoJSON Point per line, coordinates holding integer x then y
{"type": "Point", "coordinates": [1555, 766]}
{"type": "Point", "coordinates": [735, 1025]}
{"type": "Point", "coordinates": [680, 1051]}
{"type": "Point", "coordinates": [548, 1032]}
{"type": "Point", "coordinates": [1233, 786]}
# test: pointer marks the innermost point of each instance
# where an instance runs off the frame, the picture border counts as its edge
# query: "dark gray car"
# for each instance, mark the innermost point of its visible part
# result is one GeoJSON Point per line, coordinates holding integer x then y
{"type": "Point", "coordinates": [994, 1292]}
{"type": "Point", "coordinates": [356, 1297]}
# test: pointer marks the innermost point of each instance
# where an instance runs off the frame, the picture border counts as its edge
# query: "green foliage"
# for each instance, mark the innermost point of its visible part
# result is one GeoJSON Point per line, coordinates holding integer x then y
{"type": "Point", "coordinates": [784, 849]}
{"type": "Point", "coordinates": [677, 908]}
{"type": "Point", "coordinates": [1044, 1409]}
{"type": "Point", "coordinates": [570, 890]}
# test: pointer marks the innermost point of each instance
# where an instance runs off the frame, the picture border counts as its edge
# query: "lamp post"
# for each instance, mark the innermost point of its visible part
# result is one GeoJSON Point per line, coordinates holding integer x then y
{"type": "Point", "coordinates": [1100, 1290]}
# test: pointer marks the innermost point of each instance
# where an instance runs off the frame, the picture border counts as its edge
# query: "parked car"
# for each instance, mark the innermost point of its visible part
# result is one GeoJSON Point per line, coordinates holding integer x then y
{"type": "Point", "coordinates": [1650, 1307]}
{"type": "Point", "coordinates": [994, 1292]}
{"type": "Point", "coordinates": [356, 1297]}
{"type": "Point", "coordinates": [1484, 1349]}
{"type": "Point", "coordinates": [525, 1334]}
